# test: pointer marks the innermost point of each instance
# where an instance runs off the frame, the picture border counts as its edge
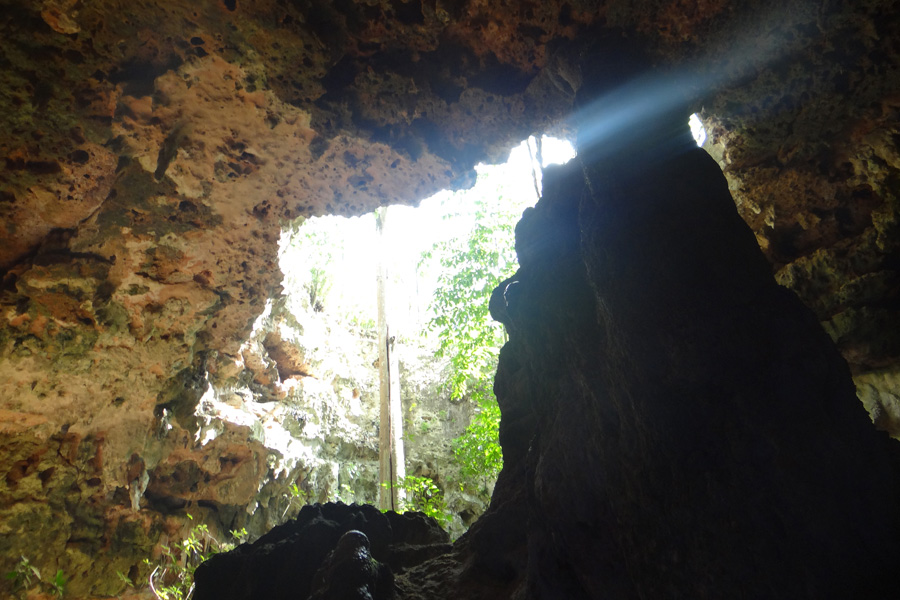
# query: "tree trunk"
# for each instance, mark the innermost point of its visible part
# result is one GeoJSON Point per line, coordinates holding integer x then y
{"type": "Point", "coordinates": [391, 467]}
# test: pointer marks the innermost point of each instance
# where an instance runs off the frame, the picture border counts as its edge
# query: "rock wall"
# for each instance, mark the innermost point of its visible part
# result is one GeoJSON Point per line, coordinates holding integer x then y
{"type": "Point", "coordinates": [675, 424]}
{"type": "Point", "coordinates": [305, 401]}
{"type": "Point", "coordinates": [307, 393]}
{"type": "Point", "coordinates": [431, 423]}
{"type": "Point", "coordinates": [298, 407]}
{"type": "Point", "coordinates": [812, 162]}
{"type": "Point", "coordinates": [328, 551]}
{"type": "Point", "coordinates": [150, 156]}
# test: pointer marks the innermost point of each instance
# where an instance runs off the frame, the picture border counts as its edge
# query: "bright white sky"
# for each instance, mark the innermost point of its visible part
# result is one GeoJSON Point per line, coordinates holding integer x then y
{"type": "Point", "coordinates": [411, 231]}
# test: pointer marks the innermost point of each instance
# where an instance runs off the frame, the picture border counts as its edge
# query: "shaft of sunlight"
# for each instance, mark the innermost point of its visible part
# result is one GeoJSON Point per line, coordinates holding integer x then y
{"type": "Point", "coordinates": [646, 100]}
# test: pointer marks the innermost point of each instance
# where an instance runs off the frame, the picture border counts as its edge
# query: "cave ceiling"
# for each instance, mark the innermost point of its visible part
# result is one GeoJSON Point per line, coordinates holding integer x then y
{"type": "Point", "coordinates": [153, 151]}
{"type": "Point", "coordinates": [170, 141]}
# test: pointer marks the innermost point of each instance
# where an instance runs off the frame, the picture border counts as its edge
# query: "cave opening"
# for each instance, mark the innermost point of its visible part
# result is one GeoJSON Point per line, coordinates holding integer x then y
{"type": "Point", "coordinates": [675, 395]}
{"type": "Point", "coordinates": [309, 389]}
{"type": "Point", "coordinates": [311, 363]}
{"type": "Point", "coordinates": [698, 131]}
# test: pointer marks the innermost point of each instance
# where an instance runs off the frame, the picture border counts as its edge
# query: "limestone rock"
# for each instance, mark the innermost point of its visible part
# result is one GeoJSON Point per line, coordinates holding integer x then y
{"type": "Point", "coordinates": [328, 551]}
{"type": "Point", "coordinates": [880, 394]}
{"type": "Point", "coordinates": [350, 572]}
{"type": "Point", "coordinates": [719, 448]}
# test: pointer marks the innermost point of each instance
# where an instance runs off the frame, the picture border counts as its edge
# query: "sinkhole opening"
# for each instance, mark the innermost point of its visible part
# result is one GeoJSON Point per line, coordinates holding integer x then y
{"type": "Point", "coordinates": [697, 129]}
{"type": "Point", "coordinates": [323, 356]}
{"type": "Point", "coordinates": [381, 350]}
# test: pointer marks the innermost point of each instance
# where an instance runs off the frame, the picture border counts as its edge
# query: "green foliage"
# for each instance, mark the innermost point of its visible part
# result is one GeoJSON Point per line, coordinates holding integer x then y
{"type": "Point", "coordinates": [423, 495]}
{"type": "Point", "coordinates": [58, 585]}
{"type": "Point", "coordinates": [363, 323]}
{"type": "Point", "coordinates": [318, 287]}
{"type": "Point", "coordinates": [298, 497]}
{"type": "Point", "coordinates": [173, 576]}
{"type": "Point", "coordinates": [26, 578]}
{"type": "Point", "coordinates": [471, 266]}
{"type": "Point", "coordinates": [298, 493]}
{"type": "Point", "coordinates": [345, 494]}
{"type": "Point", "coordinates": [239, 535]}
{"type": "Point", "coordinates": [477, 451]}
{"type": "Point", "coordinates": [24, 575]}
{"type": "Point", "coordinates": [321, 266]}
{"type": "Point", "coordinates": [315, 249]}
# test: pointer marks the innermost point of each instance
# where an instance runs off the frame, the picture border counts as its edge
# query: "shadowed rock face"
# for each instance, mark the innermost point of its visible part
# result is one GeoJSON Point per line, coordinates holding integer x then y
{"type": "Point", "coordinates": [675, 424]}
{"type": "Point", "coordinates": [329, 551]}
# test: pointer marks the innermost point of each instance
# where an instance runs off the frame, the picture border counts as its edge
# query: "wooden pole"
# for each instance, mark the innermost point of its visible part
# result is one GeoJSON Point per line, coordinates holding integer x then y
{"type": "Point", "coordinates": [391, 465]}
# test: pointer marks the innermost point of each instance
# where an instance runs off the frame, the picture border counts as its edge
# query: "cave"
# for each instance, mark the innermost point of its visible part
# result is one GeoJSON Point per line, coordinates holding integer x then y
{"type": "Point", "coordinates": [700, 394]}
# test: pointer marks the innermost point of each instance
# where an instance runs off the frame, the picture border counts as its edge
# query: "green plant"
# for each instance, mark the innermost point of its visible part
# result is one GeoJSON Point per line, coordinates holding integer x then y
{"type": "Point", "coordinates": [125, 579]}
{"type": "Point", "coordinates": [409, 431]}
{"type": "Point", "coordinates": [471, 267]}
{"type": "Point", "coordinates": [298, 497]}
{"type": "Point", "coordinates": [173, 576]}
{"type": "Point", "coordinates": [364, 323]}
{"type": "Point", "coordinates": [313, 251]}
{"type": "Point", "coordinates": [477, 451]}
{"type": "Point", "coordinates": [239, 535]}
{"type": "Point", "coordinates": [345, 494]}
{"type": "Point", "coordinates": [423, 495]}
{"type": "Point", "coordinates": [26, 577]}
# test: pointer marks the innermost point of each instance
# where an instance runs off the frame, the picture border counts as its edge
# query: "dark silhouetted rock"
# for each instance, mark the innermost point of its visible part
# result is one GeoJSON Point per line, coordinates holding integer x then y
{"type": "Point", "coordinates": [675, 424]}
{"type": "Point", "coordinates": [350, 573]}
{"type": "Point", "coordinates": [330, 551]}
